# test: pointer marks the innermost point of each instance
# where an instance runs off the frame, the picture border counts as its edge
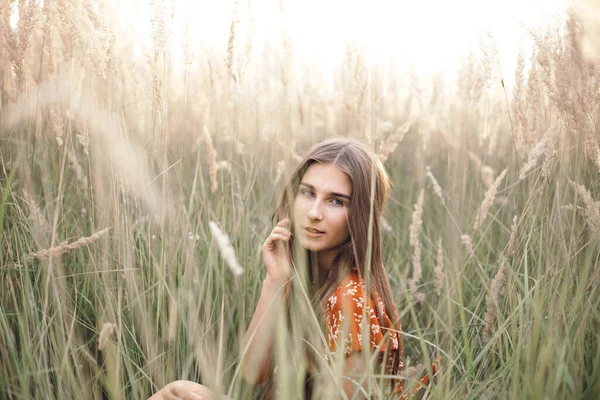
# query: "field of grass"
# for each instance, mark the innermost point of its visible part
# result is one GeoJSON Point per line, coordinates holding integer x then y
{"type": "Point", "coordinates": [113, 163]}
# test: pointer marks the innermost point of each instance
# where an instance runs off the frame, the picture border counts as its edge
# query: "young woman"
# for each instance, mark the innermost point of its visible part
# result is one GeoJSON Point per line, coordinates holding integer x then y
{"type": "Point", "coordinates": [331, 211]}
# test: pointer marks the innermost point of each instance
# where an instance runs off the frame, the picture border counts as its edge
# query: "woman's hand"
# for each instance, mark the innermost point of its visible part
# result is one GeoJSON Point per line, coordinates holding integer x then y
{"type": "Point", "coordinates": [275, 253]}
{"type": "Point", "coordinates": [187, 390]}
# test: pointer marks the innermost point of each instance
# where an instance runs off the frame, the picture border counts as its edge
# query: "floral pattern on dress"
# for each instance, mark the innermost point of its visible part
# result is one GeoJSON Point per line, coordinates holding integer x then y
{"type": "Point", "coordinates": [348, 302]}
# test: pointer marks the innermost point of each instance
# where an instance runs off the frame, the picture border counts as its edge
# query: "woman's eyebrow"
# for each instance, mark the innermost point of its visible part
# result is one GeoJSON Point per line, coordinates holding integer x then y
{"type": "Point", "coordinates": [345, 196]}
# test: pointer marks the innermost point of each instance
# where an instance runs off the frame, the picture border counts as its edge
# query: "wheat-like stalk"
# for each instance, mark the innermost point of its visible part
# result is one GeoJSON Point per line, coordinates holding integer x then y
{"type": "Point", "coordinates": [466, 240]}
{"type": "Point", "coordinates": [78, 169]}
{"type": "Point", "coordinates": [390, 144]}
{"type": "Point", "coordinates": [592, 148]}
{"type": "Point", "coordinates": [65, 247]}
{"type": "Point", "coordinates": [83, 135]}
{"type": "Point", "coordinates": [592, 209]}
{"type": "Point", "coordinates": [108, 329]}
{"type": "Point", "coordinates": [550, 154]}
{"type": "Point", "coordinates": [160, 28]}
{"type": "Point", "coordinates": [534, 154]}
{"type": "Point", "coordinates": [437, 189]}
{"type": "Point", "coordinates": [58, 125]}
{"type": "Point", "coordinates": [230, 61]}
{"type": "Point", "coordinates": [487, 175]}
{"type": "Point", "coordinates": [386, 225]}
{"type": "Point", "coordinates": [439, 269]}
{"type": "Point", "coordinates": [226, 249]}
{"type": "Point", "coordinates": [226, 165]}
{"type": "Point", "coordinates": [26, 24]}
{"type": "Point", "coordinates": [35, 213]}
{"type": "Point", "coordinates": [488, 201]}
{"type": "Point", "coordinates": [491, 300]}
{"type": "Point", "coordinates": [279, 171]}
{"type": "Point", "coordinates": [415, 229]}
{"type": "Point", "coordinates": [212, 159]}
{"type": "Point", "coordinates": [513, 237]}
{"type": "Point", "coordinates": [487, 172]}
{"type": "Point", "coordinates": [588, 12]}
{"type": "Point", "coordinates": [172, 320]}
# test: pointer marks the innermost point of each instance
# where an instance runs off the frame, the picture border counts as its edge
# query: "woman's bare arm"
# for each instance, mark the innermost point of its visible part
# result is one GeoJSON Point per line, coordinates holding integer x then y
{"type": "Point", "coordinates": [259, 336]}
{"type": "Point", "coordinates": [261, 331]}
{"type": "Point", "coordinates": [355, 369]}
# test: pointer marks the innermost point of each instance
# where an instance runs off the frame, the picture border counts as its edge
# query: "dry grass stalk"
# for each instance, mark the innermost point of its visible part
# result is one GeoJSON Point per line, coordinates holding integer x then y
{"type": "Point", "coordinates": [157, 91]}
{"type": "Point", "coordinates": [212, 159]}
{"type": "Point", "coordinates": [491, 300]}
{"type": "Point", "coordinates": [68, 31]}
{"type": "Point", "coordinates": [589, 13]}
{"type": "Point", "coordinates": [538, 150]}
{"type": "Point", "coordinates": [487, 175]}
{"type": "Point", "coordinates": [76, 167]}
{"type": "Point", "coordinates": [513, 237]}
{"type": "Point", "coordinates": [487, 172]}
{"type": "Point", "coordinates": [412, 371]}
{"type": "Point", "coordinates": [65, 247]}
{"type": "Point", "coordinates": [188, 52]}
{"type": "Point", "coordinates": [58, 125]}
{"type": "Point", "coordinates": [230, 61]}
{"type": "Point", "coordinates": [415, 229]}
{"type": "Point", "coordinates": [390, 144]}
{"type": "Point", "coordinates": [488, 201]}
{"type": "Point", "coordinates": [172, 320]}
{"type": "Point", "coordinates": [226, 165]}
{"type": "Point", "coordinates": [160, 29]}
{"type": "Point", "coordinates": [226, 249]}
{"type": "Point", "coordinates": [437, 190]}
{"type": "Point", "coordinates": [83, 137]}
{"type": "Point", "coordinates": [35, 214]}
{"type": "Point", "coordinates": [592, 209]}
{"type": "Point", "coordinates": [592, 148]}
{"type": "Point", "coordinates": [439, 269]}
{"type": "Point", "coordinates": [466, 240]}
{"type": "Point", "coordinates": [27, 12]}
{"type": "Point", "coordinates": [279, 172]}
{"type": "Point", "coordinates": [108, 329]}
{"type": "Point", "coordinates": [386, 225]}
{"type": "Point", "coordinates": [550, 154]}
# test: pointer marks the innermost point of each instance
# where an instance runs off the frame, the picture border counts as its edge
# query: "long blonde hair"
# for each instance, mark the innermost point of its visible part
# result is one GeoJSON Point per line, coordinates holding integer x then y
{"type": "Point", "coordinates": [369, 198]}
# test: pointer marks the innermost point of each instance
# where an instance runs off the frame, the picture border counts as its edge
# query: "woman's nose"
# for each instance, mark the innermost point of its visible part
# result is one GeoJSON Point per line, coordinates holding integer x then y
{"type": "Point", "coordinates": [315, 211]}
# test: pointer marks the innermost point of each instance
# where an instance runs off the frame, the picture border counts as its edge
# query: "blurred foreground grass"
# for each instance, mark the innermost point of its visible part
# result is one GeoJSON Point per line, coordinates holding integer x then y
{"type": "Point", "coordinates": [112, 167]}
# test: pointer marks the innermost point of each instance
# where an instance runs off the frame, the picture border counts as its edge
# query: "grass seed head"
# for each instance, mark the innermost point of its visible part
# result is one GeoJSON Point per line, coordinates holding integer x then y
{"type": "Point", "coordinates": [226, 249]}
{"type": "Point", "coordinates": [488, 201]}
{"type": "Point", "coordinates": [108, 329]}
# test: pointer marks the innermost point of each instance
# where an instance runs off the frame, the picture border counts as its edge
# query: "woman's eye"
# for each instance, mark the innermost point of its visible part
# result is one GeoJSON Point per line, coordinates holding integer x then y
{"type": "Point", "coordinates": [337, 202]}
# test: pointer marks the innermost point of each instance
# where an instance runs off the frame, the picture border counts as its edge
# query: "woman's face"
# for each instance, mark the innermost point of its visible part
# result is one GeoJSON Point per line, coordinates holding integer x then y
{"type": "Point", "coordinates": [322, 203]}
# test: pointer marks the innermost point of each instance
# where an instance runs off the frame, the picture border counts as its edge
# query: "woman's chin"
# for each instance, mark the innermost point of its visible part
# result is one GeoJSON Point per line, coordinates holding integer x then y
{"type": "Point", "coordinates": [308, 245]}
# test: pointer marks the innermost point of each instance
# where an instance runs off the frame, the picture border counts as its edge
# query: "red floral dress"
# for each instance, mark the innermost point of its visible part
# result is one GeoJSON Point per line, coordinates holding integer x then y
{"type": "Point", "coordinates": [348, 303]}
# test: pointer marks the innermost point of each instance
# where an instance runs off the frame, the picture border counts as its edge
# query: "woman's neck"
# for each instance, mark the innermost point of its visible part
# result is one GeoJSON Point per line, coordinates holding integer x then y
{"type": "Point", "coordinates": [324, 260]}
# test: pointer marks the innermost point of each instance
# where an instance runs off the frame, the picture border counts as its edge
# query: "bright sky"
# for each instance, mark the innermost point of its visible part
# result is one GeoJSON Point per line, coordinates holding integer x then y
{"type": "Point", "coordinates": [429, 34]}
{"type": "Point", "coordinates": [432, 35]}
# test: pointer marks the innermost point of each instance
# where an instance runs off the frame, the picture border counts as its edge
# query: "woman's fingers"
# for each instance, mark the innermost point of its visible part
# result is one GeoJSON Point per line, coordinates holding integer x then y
{"type": "Point", "coordinates": [187, 390]}
{"type": "Point", "coordinates": [284, 222]}
{"type": "Point", "coordinates": [278, 236]}
{"type": "Point", "coordinates": [283, 231]}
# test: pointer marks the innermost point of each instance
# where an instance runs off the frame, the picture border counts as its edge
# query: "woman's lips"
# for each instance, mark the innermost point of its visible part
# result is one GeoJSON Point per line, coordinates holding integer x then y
{"type": "Point", "coordinates": [310, 233]}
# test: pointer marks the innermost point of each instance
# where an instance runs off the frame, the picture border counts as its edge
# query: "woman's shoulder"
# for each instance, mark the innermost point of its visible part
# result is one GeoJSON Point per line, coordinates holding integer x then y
{"type": "Point", "coordinates": [351, 286]}
{"type": "Point", "coordinates": [351, 283]}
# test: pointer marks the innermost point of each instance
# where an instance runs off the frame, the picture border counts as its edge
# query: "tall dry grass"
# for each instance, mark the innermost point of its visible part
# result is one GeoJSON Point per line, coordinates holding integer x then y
{"type": "Point", "coordinates": [93, 135]}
